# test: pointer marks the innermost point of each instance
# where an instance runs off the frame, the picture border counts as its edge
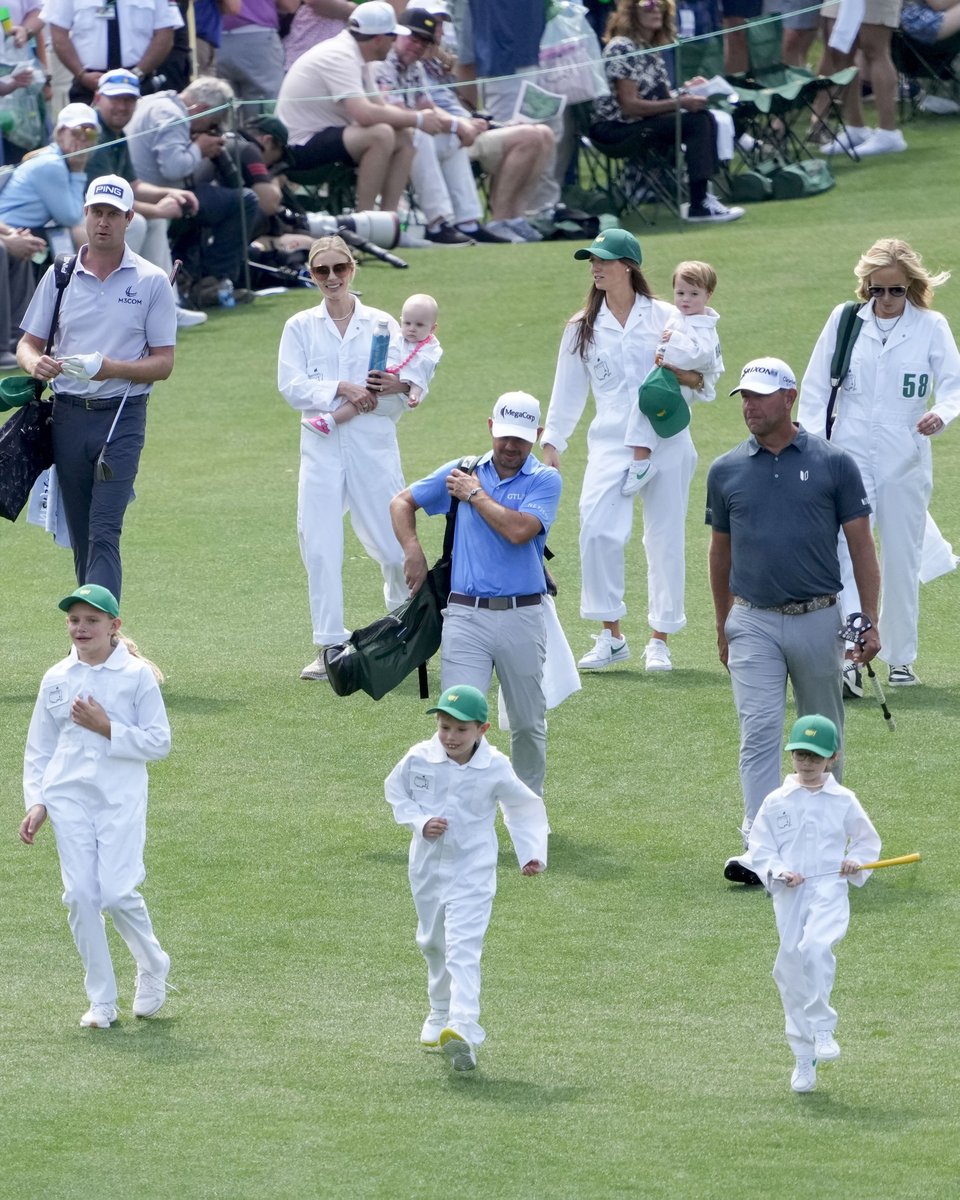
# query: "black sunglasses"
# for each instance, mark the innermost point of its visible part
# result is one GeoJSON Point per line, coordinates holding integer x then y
{"type": "Point", "coordinates": [877, 292]}
{"type": "Point", "coordinates": [340, 268]}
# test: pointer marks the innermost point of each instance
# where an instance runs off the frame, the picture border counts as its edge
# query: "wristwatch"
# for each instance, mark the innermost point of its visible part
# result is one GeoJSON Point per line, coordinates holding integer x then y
{"type": "Point", "coordinates": [471, 494]}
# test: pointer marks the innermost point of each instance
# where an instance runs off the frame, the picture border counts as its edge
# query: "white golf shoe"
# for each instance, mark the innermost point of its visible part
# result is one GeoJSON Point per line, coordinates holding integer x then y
{"type": "Point", "coordinates": [433, 1026]}
{"type": "Point", "coordinates": [99, 1016]}
{"type": "Point", "coordinates": [606, 652]}
{"type": "Point", "coordinates": [315, 669]}
{"type": "Point", "coordinates": [804, 1077]}
{"type": "Point", "coordinates": [657, 656]}
{"type": "Point", "coordinates": [149, 995]}
{"type": "Point", "coordinates": [825, 1046]}
{"type": "Point", "coordinates": [462, 1055]}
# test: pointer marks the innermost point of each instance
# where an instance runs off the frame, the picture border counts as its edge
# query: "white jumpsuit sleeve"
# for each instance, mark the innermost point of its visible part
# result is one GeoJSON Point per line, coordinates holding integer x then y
{"type": "Point", "coordinates": [815, 387]}
{"type": "Point", "coordinates": [293, 382]}
{"type": "Point", "coordinates": [945, 366]}
{"type": "Point", "coordinates": [525, 817]}
{"type": "Point", "coordinates": [149, 739]}
{"type": "Point", "coordinates": [864, 844]}
{"type": "Point", "coordinates": [571, 386]}
{"type": "Point", "coordinates": [763, 855]}
{"type": "Point", "coordinates": [41, 742]}
{"type": "Point", "coordinates": [396, 790]}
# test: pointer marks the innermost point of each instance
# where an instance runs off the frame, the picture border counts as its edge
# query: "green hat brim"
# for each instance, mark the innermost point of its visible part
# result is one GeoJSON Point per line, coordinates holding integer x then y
{"type": "Point", "coordinates": [16, 391]}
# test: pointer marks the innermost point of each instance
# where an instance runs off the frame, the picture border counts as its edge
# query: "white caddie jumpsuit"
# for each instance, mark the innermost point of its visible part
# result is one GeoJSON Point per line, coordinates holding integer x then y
{"type": "Point", "coordinates": [95, 792]}
{"type": "Point", "coordinates": [809, 832]}
{"type": "Point", "coordinates": [454, 877]}
{"type": "Point", "coordinates": [616, 364]}
{"type": "Point", "coordinates": [884, 394]}
{"type": "Point", "coordinates": [355, 469]}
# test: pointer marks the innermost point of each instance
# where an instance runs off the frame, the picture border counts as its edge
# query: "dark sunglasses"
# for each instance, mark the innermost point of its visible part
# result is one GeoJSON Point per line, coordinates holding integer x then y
{"type": "Point", "coordinates": [877, 292]}
{"type": "Point", "coordinates": [341, 268]}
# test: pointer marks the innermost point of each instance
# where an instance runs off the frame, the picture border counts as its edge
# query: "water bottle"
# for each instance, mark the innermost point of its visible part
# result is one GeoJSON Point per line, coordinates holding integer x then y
{"type": "Point", "coordinates": [379, 347]}
{"type": "Point", "coordinates": [225, 296]}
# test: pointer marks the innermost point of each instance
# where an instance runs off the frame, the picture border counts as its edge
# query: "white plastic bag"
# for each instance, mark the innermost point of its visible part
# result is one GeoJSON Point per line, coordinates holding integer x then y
{"type": "Point", "coordinates": [570, 58]}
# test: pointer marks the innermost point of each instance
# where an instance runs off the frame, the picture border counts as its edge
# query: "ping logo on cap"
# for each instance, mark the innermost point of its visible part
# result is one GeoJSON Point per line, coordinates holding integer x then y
{"type": "Point", "coordinates": [108, 189]}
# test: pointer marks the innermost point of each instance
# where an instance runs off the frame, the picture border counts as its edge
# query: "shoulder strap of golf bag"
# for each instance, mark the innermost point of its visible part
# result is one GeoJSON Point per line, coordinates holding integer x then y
{"type": "Point", "coordinates": [847, 332]}
{"type": "Point", "coordinates": [63, 266]}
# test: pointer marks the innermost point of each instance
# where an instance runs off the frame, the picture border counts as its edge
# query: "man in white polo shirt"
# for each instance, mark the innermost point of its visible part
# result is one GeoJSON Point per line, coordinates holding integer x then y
{"type": "Point", "coordinates": [115, 338]}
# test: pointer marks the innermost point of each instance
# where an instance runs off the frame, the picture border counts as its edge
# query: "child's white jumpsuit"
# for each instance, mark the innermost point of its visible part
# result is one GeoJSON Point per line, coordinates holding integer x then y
{"type": "Point", "coordinates": [809, 832]}
{"type": "Point", "coordinates": [95, 792]}
{"type": "Point", "coordinates": [454, 877]}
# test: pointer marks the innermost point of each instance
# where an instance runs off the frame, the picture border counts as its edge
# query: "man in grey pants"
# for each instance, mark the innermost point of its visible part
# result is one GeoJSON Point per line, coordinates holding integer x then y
{"type": "Point", "coordinates": [776, 504]}
{"type": "Point", "coordinates": [115, 338]}
{"type": "Point", "coordinates": [494, 616]}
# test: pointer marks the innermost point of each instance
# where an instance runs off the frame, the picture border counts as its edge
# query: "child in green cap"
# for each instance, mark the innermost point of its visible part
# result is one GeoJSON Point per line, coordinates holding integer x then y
{"type": "Point", "coordinates": [99, 719]}
{"type": "Point", "coordinates": [447, 790]}
{"type": "Point", "coordinates": [806, 845]}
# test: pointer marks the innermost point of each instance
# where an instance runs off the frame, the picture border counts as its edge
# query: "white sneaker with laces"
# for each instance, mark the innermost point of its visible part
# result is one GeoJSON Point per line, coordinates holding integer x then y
{"type": "Point", "coordinates": [315, 669]}
{"type": "Point", "coordinates": [462, 1055]}
{"type": "Point", "coordinates": [712, 209]}
{"type": "Point", "coordinates": [852, 138]}
{"type": "Point", "coordinates": [852, 680]}
{"type": "Point", "coordinates": [882, 141]}
{"type": "Point", "coordinates": [605, 653]}
{"type": "Point", "coordinates": [804, 1077]}
{"type": "Point", "coordinates": [657, 655]}
{"type": "Point", "coordinates": [903, 676]}
{"type": "Point", "coordinates": [433, 1026]}
{"type": "Point", "coordinates": [825, 1046]}
{"type": "Point", "coordinates": [188, 317]}
{"type": "Point", "coordinates": [99, 1016]}
{"type": "Point", "coordinates": [149, 995]}
{"type": "Point", "coordinates": [637, 476]}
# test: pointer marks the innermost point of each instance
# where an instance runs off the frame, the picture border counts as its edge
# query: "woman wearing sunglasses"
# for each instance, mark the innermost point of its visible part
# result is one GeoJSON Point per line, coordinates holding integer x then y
{"type": "Point", "coordinates": [902, 388]}
{"type": "Point", "coordinates": [323, 364]}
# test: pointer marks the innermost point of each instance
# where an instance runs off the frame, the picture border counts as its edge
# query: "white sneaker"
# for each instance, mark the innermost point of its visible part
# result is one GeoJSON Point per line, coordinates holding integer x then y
{"type": "Point", "coordinates": [657, 655]}
{"type": "Point", "coordinates": [804, 1077]}
{"type": "Point", "coordinates": [940, 105]}
{"type": "Point", "coordinates": [433, 1026]}
{"type": "Point", "coordinates": [850, 139]}
{"type": "Point", "coordinates": [852, 680]}
{"type": "Point", "coordinates": [505, 230]}
{"type": "Point", "coordinates": [462, 1055]}
{"type": "Point", "coordinates": [903, 676]}
{"type": "Point", "coordinates": [637, 476]}
{"type": "Point", "coordinates": [522, 227]}
{"type": "Point", "coordinates": [882, 141]}
{"type": "Point", "coordinates": [825, 1046]}
{"type": "Point", "coordinates": [605, 653]}
{"type": "Point", "coordinates": [149, 995]}
{"type": "Point", "coordinates": [99, 1016]}
{"type": "Point", "coordinates": [188, 317]}
{"type": "Point", "coordinates": [315, 669]}
{"type": "Point", "coordinates": [713, 210]}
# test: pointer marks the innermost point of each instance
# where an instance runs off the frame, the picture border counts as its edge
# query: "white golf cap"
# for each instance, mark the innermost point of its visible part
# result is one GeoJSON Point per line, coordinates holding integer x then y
{"type": "Point", "coordinates": [516, 415]}
{"type": "Point", "coordinates": [436, 8]}
{"type": "Point", "coordinates": [75, 116]}
{"type": "Point", "coordinates": [765, 376]}
{"type": "Point", "coordinates": [110, 189]}
{"type": "Point", "coordinates": [118, 81]}
{"type": "Point", "coordinates": [375, 17]}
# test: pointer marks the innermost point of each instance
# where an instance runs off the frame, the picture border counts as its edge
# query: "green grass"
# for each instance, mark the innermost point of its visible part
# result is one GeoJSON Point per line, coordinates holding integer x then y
{"type": "Point", "coordinates": [635, 1036]}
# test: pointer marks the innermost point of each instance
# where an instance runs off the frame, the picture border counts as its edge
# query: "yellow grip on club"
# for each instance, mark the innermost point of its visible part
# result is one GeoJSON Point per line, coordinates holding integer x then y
{"type": "Point", "coordinates": [890, 862]}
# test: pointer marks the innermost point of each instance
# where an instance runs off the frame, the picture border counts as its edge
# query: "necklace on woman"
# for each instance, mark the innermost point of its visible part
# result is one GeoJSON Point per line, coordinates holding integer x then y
{"type": "Point", "coordinates": [886, 331]}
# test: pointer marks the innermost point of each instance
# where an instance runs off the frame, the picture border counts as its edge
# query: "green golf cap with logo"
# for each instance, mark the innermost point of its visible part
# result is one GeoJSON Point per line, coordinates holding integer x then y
{"type": "Point", "coordinates": [816, 734]}
{"type": "Point", "coordinates": [464, 702]}
{"type": "Point", "coordinates": [94, 595]}
{"type": "Point", "coordinates": [612, 243]}
{"type": "Point", "coordinates": [662, 403]}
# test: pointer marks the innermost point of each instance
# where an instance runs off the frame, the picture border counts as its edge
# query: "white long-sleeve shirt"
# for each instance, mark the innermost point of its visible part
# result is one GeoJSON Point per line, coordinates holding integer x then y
{"type": "Point", "coordinates": [811, 832]}
{"type": "Point", "coordinates": [62, 759]}
{"type": "Point", "coordinates": [462, 862]}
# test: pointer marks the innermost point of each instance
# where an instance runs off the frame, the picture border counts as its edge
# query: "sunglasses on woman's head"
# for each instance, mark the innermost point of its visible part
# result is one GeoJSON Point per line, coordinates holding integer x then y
{"type": "Point", "coordinates": [897, 291]}
{"type": "Point", "coordinates": [340, 268]}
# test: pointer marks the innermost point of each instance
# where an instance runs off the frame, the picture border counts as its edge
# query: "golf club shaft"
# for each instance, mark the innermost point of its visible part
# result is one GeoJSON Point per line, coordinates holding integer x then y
{"type": "Point", "coordinates": [889, 722]}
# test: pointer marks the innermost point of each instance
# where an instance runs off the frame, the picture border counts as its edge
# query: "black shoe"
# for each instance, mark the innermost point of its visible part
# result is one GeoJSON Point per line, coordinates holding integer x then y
{"type": "Point", "coordinates": [446, 235]}
{"type": "Point", "coordinates": [483, 234]}
{"type": "Point", "coordinates": [736, 872]}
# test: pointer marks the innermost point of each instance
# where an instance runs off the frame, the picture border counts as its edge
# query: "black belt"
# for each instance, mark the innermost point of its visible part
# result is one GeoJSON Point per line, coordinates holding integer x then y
{"type": "Point", "coordinates": [95, 403]}
{"type": "Point", "coordinates": [792, 608]}
{"type": "Point", "coordinates": [497, 603]}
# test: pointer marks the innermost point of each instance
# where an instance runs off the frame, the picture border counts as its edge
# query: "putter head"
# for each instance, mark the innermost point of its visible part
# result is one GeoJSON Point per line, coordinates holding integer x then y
{"type": "Point", "coordinates": [102, 471]}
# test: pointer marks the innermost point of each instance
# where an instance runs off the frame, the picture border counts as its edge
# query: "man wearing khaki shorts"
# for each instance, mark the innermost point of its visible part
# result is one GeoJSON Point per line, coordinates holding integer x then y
{"type": "Point", "coordinates": [880, 18]}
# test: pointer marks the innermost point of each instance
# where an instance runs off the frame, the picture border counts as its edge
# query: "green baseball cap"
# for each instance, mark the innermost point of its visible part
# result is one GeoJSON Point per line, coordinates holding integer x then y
{"type": "Point", "coordinates": [613, 243]}
{"type": "Point", "coordinates": [662, 403]}
{"type": "Point", "coordinates": [94, 595]}
{"type": "Point", "coordinates": [816, 734]}
{"type": "Point", "coordinates": [464, 702]}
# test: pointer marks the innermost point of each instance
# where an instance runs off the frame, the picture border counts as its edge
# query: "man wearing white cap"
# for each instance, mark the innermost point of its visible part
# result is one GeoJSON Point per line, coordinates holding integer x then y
{"type": "Point", "coordinates": [115, 338]}
{"type": "Point", "coordinates": [776, 504]}
{"type": "Point", "coordinates": [494, 618]}
{"type": "Point", "coordinates": [334, 114]}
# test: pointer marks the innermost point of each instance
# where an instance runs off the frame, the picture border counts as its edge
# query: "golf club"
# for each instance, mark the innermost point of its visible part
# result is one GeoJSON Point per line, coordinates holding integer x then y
{"type": "Point", "coordinates": [901, 861]}
{"type": "Point", "coordinates": [856, 626]}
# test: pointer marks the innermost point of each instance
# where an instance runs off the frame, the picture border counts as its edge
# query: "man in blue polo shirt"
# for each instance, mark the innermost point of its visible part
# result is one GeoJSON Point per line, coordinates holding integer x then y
{"type": "Point", "coordinates": [776, 504]}
{"type": "Point", "coordinates": [494, 618]}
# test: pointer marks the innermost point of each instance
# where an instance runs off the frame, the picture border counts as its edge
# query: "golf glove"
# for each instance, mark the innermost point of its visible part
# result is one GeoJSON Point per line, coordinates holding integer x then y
{"type": "Point", "coordinates": [82, 366]}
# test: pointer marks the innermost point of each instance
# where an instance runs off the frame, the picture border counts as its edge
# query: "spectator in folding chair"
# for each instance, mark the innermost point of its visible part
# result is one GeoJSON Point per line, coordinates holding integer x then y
{"type": "Point", "coordinates": [441, 172]}
{"type": "Point", "coordinates": [880, 18]}
{"type": "Point", "coordinates": [641, 108]}
{"type": "Point", "coordinates": [334, 113]}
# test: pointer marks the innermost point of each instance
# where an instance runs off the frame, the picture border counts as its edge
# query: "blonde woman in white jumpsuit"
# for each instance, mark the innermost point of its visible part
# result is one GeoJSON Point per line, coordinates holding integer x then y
{"type": "Point", "coordinates": [323, 362]}
{"type": "Point", "coordinates": [904, 358]}
{"type": "Point", "coordinates": [618, 352]}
